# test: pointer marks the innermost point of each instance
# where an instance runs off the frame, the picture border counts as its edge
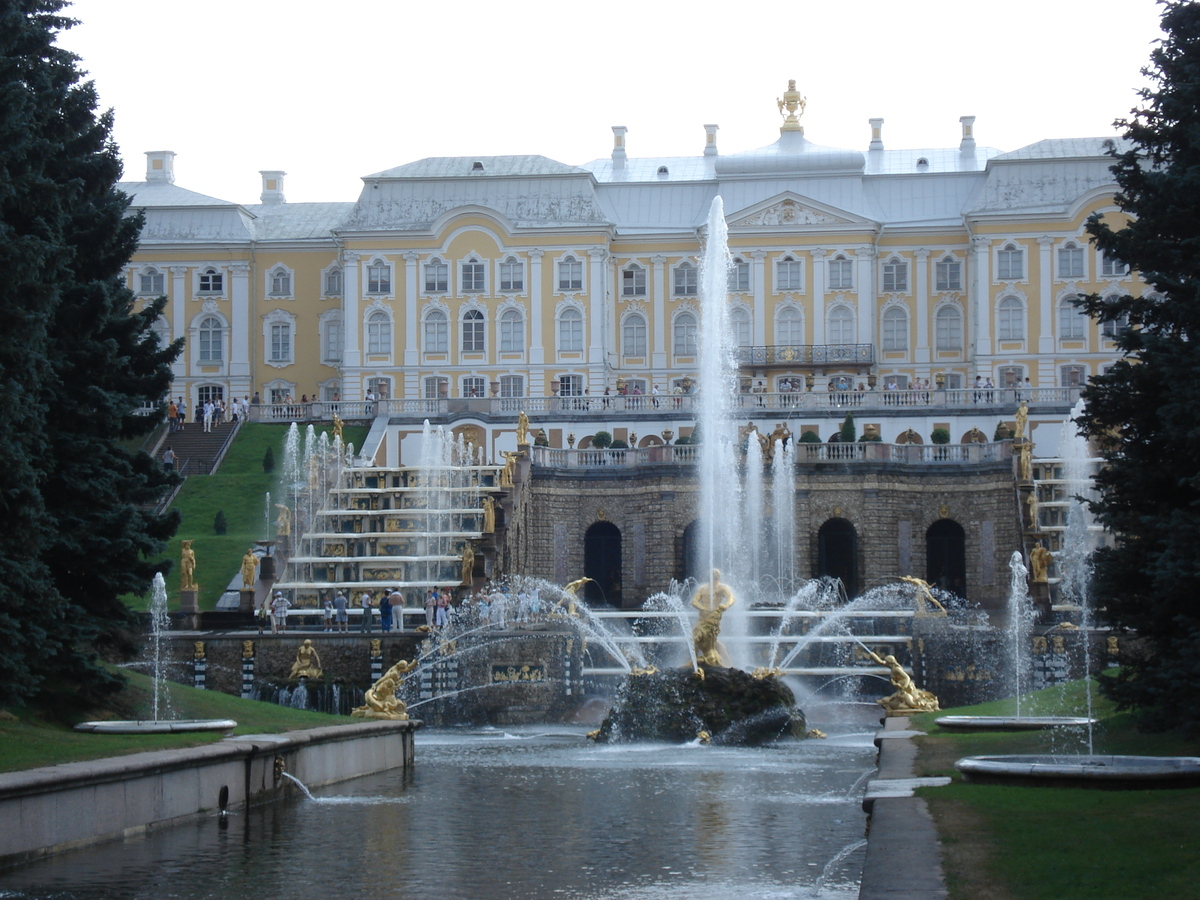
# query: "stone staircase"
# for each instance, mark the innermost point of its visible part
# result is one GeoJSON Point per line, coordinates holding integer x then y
{"type": "Point", "coordinates": [197, 452]}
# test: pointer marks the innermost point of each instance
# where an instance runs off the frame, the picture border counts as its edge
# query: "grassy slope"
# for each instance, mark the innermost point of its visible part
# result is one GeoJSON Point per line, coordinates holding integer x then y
{"type": "Point", "coordinates": [32, 737]}
{"type": "Point", "coordinates": [1060, 843]}
{"type": "Point", "coordinates": [239, 489]}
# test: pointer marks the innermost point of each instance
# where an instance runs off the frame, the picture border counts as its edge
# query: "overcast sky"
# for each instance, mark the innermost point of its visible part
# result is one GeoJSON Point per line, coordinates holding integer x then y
{"type": "Point", "coordinates": [331, 92]}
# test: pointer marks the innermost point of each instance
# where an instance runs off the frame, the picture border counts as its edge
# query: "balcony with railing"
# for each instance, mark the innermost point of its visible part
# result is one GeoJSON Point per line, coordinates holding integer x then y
{"type": "Point", "coordinates": [860, 356]}
{"type": "Point", "coordinates": [806, 454]}
{"type": "Point", "coordinates": [818, 404]}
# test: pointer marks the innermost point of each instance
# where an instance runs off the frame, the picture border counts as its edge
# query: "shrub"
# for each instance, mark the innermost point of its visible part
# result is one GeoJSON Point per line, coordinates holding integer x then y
{"type": "Point", "coordinates": [940, 436]}
{"type": "Point", "coordinates": [1003, 432]}
{"type": "Point", "coordinates": [682, 440]}
{"type": "Point", "coordinates": [810, 437]}
{"type": "Point", "coordinates": [847, 432]}
{"type": "Point", "coordinates": [618, 445]}
{"type": "Point", "coordinates": [602, 440]}
{"type": "Point", "coordinates": [269, 461]}
{"type": "Point", "coordinates": [220, 526]}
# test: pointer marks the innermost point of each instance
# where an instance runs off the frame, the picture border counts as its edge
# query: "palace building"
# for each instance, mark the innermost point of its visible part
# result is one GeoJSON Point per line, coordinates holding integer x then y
{"type": "Point", "coordinates": [523, 277]}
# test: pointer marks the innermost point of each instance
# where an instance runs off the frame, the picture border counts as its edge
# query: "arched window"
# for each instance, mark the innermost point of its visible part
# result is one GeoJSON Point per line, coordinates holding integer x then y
{"type": "Point", "coordinates": [474, 280]}
{"type": "Point", "coordinates": [331, 338]}
{"type": "Point", "coordinates": [472, 331]}
{"type": "Point", "coordinates": [841, 273]}
{"type": "Point", "coordinates": [895, 275]}
{"type": "Point", "coordinates": [570, 330]}
{"type": "Point", "coordinates": [633, 336]}
{"type": "Point", "coordinates": [211, 281]}
{"type": "Point", "coordinates": [841, 326]}
{"type": "Point", "coordinates": [789, 327]}
{"type": "Point", "coordinates": [1072, 321]}
{"type": "Point", "coordinates": [151, 281]}
{"type": "Point", "coordinates": [512, 275]}
{"type": "Point", "coordinates": [895, 329]}
{"type": "Point", "coordinates": [437, 277]}
{"type": "Point", "coordinates": [280, 349]}
{"type": "Point", "coordinates": [512, 332]}
{"type": "Point", "coordinates": [739, 321]}
{"type": "Point", "coordinates": [437, 338]}
{"type": "Point", "coordinates": [211, 340]}
{"type": "Point", "coordinates": [948, 274]}
{"type": "Point", "coordinates": [281, 281]}
{"type": "Point", "coordinates": [379, 333]}
{"type": "Point", "coordinates": [686, 280]}
{"type": "Point", "coordinates": [1010, 324]}
{"type": "Point", "coordinates": [948, 330]}
{"type": "Point", "coordinates": [686, 335]}
{"type": "Point", "coordinates": [570, 274]}
{"type": "Point", "coordinates": [739, 276]}
{"type": "Point", "coordinates": [379, 277]}
{"type": "Point", "coordinates": [334, 282]}
{"type": "Point", "coordinates": [1010, 262]}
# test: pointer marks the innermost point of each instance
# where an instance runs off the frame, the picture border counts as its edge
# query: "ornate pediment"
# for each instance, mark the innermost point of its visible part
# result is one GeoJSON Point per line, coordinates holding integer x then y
{"type": "Point", "coordinates": [791, 211]}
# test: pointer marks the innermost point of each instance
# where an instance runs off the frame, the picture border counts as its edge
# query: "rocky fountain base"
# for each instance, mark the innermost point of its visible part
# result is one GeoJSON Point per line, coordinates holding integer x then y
{"type": "Point", "coordinates": [725, 706]}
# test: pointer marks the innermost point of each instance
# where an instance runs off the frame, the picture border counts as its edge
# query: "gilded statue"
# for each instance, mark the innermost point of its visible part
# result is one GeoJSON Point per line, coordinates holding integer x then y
{"type": "Point", "coordinates": [924, 597]}
{"type": "Point", "coordinates": [187, 567]}
{"type": "Point", "coordinates": [522, 428]}
{"type": "Point", "coordinates": [570, 596]}
{"type": "Point", "coordinates": [283, 522]}
{"type": "Point", "coordinates": [1031, 502]}
{"type": "Point", "coordinates": [489, 515]}
{"type": "Point", "coordinates": [198, 652]}
{"type": "Point", "coordinates": [712, 601]}
{"type": "Point", "coordinates": [908, 697]}
{"type": "Point", "coordinates": [1025, 461]}
{"type": "Point", "coordinates": [247, 649]}
{"type": "Point", "coordinates": [338, 424]}
{"type": "Point", "coordinates": [1022, 421]}
{"type": "Point", "coordinates": [1039, 563]}
{"type": "Point", "coordinates": [307, 664]}
{"type": "Point", "coordinates": [791, 107]}
{"type": "Point", "coordinates": [509, 470]}
{"type": "Point", "coordinates": [249, 568]}
{"type": "Point", "coordinates": [468, 565]}
{"type": "Point", "coordinates": [381, 700]}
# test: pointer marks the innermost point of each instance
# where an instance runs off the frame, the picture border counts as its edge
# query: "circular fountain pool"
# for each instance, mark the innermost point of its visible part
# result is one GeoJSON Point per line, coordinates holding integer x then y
{"type": "Point", "coordinates": [1012, 723]}
{"type": "Point", "coordinates": [1083, 771]}
{"type": "Point", "coordinates": [156, 726]}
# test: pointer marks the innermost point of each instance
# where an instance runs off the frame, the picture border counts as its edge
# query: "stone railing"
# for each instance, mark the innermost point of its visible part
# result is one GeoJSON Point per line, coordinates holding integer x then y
{"type": "Point", "coordinates": [819, 403]}
{"type": "Point", "coordinates": [806, 454]}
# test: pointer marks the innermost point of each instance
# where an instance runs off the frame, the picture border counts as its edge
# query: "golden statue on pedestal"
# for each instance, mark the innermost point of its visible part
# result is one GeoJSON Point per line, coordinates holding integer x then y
{"type": "Point", "coordinates": [712, 601]}
{"type": "Point", "coordinates": [338, 425]}
{"type": "Point", "coordinates": [1039, 562]}
{"type": "Point", "coordinates": [307, 664]}
{"type": "Point", "coordinates": [908, 697]}
{"type": "Point", "coordinates": [381, 700]}
{"type": "Point", "coordinates": [283, 523]}
{"type": "Point", "coordinates": [249, 569]}
{"type": "Point", "coordinates": [468, 565]}
{"type": "Point", "coordinates": [187, 567]}
{"type": "Point", "coordinates": [924, 597]}
{"type": "Point", "coordinates": [489, 515]}
{"type": "Point", "coordinates": [522, 428]}
{"type": "Point", "coordinates": [570, 596]}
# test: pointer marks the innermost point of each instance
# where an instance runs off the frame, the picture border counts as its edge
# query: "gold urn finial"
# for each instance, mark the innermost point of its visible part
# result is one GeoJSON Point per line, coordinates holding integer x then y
{"type": "Point", "coordinates": [793, 102]}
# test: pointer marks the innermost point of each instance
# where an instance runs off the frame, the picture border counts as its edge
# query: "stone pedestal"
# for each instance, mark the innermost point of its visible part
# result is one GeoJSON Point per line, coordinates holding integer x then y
{"type": "Point", "coordinates": [246, 600]}
{"type": "Point", "coordinates": [187, 600]}
{"type": "Point", "coordinates": [266, 570]}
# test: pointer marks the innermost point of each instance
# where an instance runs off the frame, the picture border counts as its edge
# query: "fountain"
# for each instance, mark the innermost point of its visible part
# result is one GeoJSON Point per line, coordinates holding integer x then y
{"type": "Point", "coordinates": [160, 722]}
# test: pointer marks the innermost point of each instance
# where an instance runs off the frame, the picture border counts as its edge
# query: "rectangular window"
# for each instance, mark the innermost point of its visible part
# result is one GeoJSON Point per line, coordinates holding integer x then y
{"type": "Point", "coordinates": [379, 279]}
{"type": "Point", "coordinates": [436, 335]}
{"type": "Point", "coordinates": [570, 331]}
{"type": "Point", "coordinates": [739, 277]}
{"type": "Point", "coordinates": [333, 342]}
{"type": "Point", "coordinates": [433, 387]}
{"type": "Point", "coordinates": [1010, 264]}
{"type": "Point", "coordinates": [1111, 267]}
{"type": "Point", "coordinates": [570, 386]}
{"type": "Point", "coordinates": [437, 277]}
{"type": "Point", "coordinates": [686, 280]}
{"type": "Point", "coordinates": [512, 276]}
{"type": "Point", "coordinates": [211, 282]}
{"type": "Point", "coordinates": [472, 277]}
{"type": "Point", "coordinates": [1073, 376]}
{"type": "Point", "coordinates": [512, 333]}
{"type": "Point", "coordinates": [949, 275]}
{"type": "Point", "coordinates": [789, 274]}
{"type": "Point", "coordinates": [151, 282]}
{"type": "Point", "coordinates": [281, 343]}
{"type": "Point", "coordinates": [473, 386]}
{"type": "Point", "coordinates": [1070, 262]}
{"type": "Point", "coordinates": [380, 387]}
{"type": "Point", "coordinates": [633, 282]}
{"type": "Point", "coordinates": [895, 276]}
{"type": "Point", "coordinates": [633, 337]}
{"type": "Point", "coordinates": [1010, 376]}
{"type": "Point", "coordinates": [841, 274]}
{"type": "Point", "coordinates": [570, 274]}
{"type": "Point", "coordinates": [512, 386]}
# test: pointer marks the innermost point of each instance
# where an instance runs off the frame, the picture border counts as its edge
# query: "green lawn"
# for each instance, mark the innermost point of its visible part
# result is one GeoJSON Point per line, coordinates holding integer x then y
{"type": "Point", "coordinates": [31, 737]}
{"type": "Point", "coordinates": [1060, 843]}
{"type": "Point", "coordinates": [239, 490]}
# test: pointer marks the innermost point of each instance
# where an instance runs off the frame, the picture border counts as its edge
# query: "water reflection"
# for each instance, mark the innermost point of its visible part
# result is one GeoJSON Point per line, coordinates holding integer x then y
{"type": "Point", "coordinates": [526, 813]}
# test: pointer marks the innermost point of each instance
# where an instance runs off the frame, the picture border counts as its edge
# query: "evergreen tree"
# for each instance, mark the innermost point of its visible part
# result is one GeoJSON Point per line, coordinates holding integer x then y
{"type": "Point", "coordinates": [1144, 410]}
{"type": "Point", "coordinates": [77, 362]}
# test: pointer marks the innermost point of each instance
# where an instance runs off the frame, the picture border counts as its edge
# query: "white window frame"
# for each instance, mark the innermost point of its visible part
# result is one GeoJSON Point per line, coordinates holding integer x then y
{"type": "Point", "coordinates": [1112, 268]}
{"type": "Point", "coordinates": [512, 386]}
{"type": "Point", "coordinates": [570, 274]}
{"type": "Point", "coordinates": [633, 280]}
{"type": "Point", "coordinates": [741, 323]}
{"type": "Point", "coordinates": [739, 276]}
{"type": "Point", "coordinates": [570, 330]}
{"type": "Point", "coordinates": [216, 338]}
{"type": "Point", "coordinates": [378, 328]}
{"type": "Point", "coordinates": [685, 280]}
{"type": "Point", "coordinates": [473, 387]}
{"type": "Point", "coordinates": [789, 273]}
{"type": "Point", "coordinates": [634, 336]}
{"type": "Point", "coordinates": [279, 338]}
{"type": "Point", "coordinates": [841, 273]}
{"type": "Point", "coordinates": [948, 273]}
{"type": "Point", "coordinates": [841, 323]}
{"type": "Point", "coordinates": [511, 322]}
{"type": "Point", "coordinates": [895, 276]}
{"type": "Point", "coordinates": [334, 281]}
{"type": "Point", "coordinates": [1010, 263]}
{"type": "Point", "coordinates": [1072, 321]}
{"type": "Point", "coordinates": [789, 327]}
{"type": "Point", "coordinates": [512, 275]}
{"type": "Point", "coordinates": [156, 280]}
{"type": "Point", "coordinates": [210, 280]}
{"type": "Point", "coordinates": [1010, 319]}
{"type": "Point", "coordinates": [332, 336]}
{"type": "Point", "coordinates": [685, 334]}
{"type": "Point", "coordinates": [472, 273]}
{"type": "Point", "coordinates": [893, 329]}
{"type": "Point", "coordinates": [435, 331]}
{"type": "Point", "coordinates": [472, 331]}
{"type": "Point", "coordinates": [1070, 262]}
{"type": "Point", "coordinates": [379, 277]}
{"type": "Point", "coordinates": [435, 275]}
{"type": "Point", "coordinates": [948, 329]}
{"type": "Point", "coordinates": [279, 281]}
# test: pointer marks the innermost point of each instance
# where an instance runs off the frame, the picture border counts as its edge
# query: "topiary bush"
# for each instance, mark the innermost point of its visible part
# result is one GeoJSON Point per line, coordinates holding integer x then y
{"type": "Point", "coordinates": [810, 437]}
{"type": "Point", "coordinates": [269, 461]}
{"type": "Point", "coordinates": [847, 432]}
{"type": "Point", "coordinates": [602, 440]}
{"type": "Point", "coordinates": [940, 436]}
{"type": "Point", "coordinates": [220, 526]}
{"type": "Point", "coordinates": [618, 444]}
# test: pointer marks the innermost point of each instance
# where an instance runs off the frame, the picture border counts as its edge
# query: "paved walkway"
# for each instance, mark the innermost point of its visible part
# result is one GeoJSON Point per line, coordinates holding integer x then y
{"type": "Point", "coordinates": [903, 853]}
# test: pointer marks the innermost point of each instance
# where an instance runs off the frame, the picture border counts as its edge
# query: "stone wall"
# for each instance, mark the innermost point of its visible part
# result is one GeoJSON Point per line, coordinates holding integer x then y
{"type": "Point", "coordinates": [891, 507]}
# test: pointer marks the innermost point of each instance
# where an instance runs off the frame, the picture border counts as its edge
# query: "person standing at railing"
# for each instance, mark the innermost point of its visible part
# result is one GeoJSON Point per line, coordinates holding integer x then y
{"type": "Point", "coordinates": [168, 459]}
{"type": "Point", "coordinates": [368, 613]}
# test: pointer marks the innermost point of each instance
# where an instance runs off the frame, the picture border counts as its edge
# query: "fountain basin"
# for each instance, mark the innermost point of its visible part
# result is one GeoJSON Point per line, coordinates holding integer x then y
{"type": "Point", "coordinates": [150, 726]}
{"type": "Point", "coordinates": [1083, 771]}
{"type": "Point", "coordinates": [1011, 723]}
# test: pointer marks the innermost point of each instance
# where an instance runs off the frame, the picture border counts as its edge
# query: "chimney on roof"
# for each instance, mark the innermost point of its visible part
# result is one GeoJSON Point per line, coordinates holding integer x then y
{"type": "Point", "coordinates": [618, 154]}
{"type": "Point", "coordinates": [160, 166]}
{"type": "Point", "coordinates": [876, 134]}
{"type": "Point", "coordinates": [710, 140]}
{"type": "Point", "coordinates": [968, 135]}
{"type": "Point", "coordinates": [272, 186]}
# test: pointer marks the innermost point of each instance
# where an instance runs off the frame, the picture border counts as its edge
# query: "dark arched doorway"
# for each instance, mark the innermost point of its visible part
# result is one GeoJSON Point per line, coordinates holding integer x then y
{"type": "Point", "coordinates": [946, 556]}
{"type": "Point", "coordinates": [837, 553]}
{"type": "Point", "coordinates": [602, 564]}
{"type": "Point", "coordinates": [690, 554]}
